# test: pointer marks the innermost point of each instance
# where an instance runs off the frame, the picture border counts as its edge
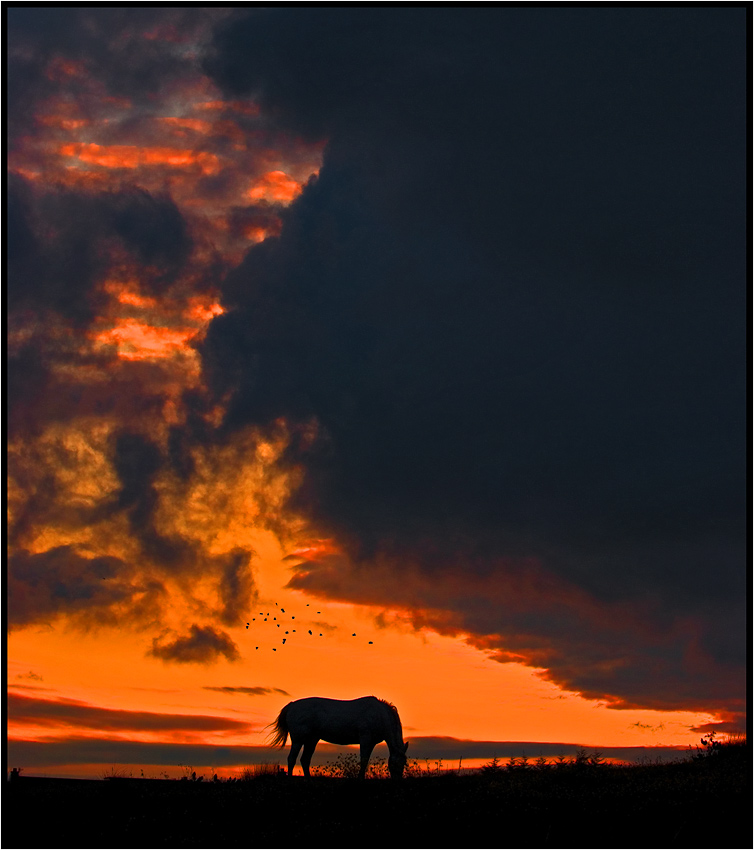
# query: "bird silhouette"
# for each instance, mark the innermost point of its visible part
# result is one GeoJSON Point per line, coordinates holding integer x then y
{"type": "Point", "coordinates": [267, 615]}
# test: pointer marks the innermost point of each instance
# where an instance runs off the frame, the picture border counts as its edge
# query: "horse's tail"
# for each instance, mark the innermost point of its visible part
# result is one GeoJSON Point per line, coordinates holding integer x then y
{"type": "Point", "coordinates": [278, 729]}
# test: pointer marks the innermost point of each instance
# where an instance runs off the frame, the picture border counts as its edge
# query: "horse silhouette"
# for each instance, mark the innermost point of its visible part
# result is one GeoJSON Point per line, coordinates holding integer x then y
{"type": "Point", "coordinates": [365, 721]}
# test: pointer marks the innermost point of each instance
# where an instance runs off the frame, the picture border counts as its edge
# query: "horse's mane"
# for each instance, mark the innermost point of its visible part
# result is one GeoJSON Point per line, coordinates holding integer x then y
{"type": "Point", "coordinates": [389, 705]}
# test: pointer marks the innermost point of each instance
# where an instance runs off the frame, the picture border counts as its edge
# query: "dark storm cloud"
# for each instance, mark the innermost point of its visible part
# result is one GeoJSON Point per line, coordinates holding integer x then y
{"type": "Point", "coordinates": [629, 654]}
{"type": "Point", "coordinates": [203, 645]}
{"type": "Point", "coordinates": [46, 387]}
{"type": "Point", "coordinates": [29, 379]}
{"type": "Point", "coordinates": [93, 589]}
{"type": "Point", "coordinates": [153, 229]}
{"type": "Point", "coordinates": [54, 258]}
{"type": "Point", "coordinates": [61, 245]}
{"type": "Point", "coordinates": [252, 692]}
{"type": "Point", "coordinates": [342, 66]}
{"type": "Point", "coordinates": [259, 216]}
{"type": "Point", "coordinates": [52, 713]}
{"type": "Point", "coordinates": [236, 584]}
{"type": "Point", "coordinates": [48, 381]}
{"type": "Point", "coordinates": [96, 591]}
{"type": "Point", "coordinates": [94, 271]}
{"type": "Point", "coordinates": [514, 302]}
{"type": "Point", "coordinates": [137, 460]}
{"type": "Point", "coordinates": [134, 53]}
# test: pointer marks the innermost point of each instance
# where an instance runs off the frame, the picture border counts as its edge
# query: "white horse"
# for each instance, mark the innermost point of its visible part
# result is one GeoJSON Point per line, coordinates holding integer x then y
{"type": "Point", "coordinates": [365, 721]}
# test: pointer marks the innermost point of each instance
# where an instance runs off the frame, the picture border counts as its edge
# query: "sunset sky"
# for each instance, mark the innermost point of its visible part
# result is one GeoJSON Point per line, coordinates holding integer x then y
{"type": "Point", "coordinates": [393, 351]}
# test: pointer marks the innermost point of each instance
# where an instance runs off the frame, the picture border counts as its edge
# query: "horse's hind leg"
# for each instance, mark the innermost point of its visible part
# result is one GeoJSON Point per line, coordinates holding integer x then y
{"type": "Point", "coordinates": [293, 754]}
{"type": "Point", "coordinates": [365, 751]}
{"type": "Point", "coordinates": [306, 756]}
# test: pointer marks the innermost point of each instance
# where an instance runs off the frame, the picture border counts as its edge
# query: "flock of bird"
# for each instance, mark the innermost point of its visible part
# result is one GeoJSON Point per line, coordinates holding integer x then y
{"type": "Point", "coordinates": [272, 617]}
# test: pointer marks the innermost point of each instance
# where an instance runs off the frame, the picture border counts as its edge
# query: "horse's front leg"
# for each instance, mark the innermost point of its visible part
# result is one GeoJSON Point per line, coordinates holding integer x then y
{"type": "Point", "coordinates": [365, 751]}
{"type": "Point", "coordinates": [306, 756]}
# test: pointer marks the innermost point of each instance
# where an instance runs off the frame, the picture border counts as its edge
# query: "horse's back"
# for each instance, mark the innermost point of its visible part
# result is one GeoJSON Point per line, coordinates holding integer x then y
{"type": "Point", "coordinates": [335, 721]}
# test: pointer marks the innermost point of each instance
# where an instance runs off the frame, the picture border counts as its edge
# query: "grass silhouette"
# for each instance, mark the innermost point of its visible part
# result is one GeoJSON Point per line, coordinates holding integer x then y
{"type": "Point", "coordinates": [702, 800]}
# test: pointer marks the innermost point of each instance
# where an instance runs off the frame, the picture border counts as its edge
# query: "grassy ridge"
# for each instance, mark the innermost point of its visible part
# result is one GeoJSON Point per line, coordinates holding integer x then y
{"type": "Point", "coordinates": [702, 802]}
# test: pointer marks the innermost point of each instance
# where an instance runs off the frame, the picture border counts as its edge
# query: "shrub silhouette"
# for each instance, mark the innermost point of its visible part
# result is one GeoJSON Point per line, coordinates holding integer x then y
{"type": "Point", "coordinates": [521, 764]}
{"type": "Point", "coordinates": [714, 750]}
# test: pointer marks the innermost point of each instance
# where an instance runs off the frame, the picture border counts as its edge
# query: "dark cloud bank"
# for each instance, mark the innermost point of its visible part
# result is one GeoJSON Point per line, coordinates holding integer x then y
{"type": "Point", "coordinates": [98, 590]}
{"type": "Point", "coordinates": [85, 750]}
{"type": "Point", "coordinates": [514, 303]}
{"type": "Point", "coordinates": [252, 692]}
{"type": "Point", "coordinates": [71, 713]}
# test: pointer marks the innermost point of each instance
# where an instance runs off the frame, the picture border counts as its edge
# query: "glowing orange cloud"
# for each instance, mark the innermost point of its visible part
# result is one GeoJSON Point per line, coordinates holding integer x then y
{"type": "Point", "coordinates": [200, 311]}
{"type": "Point", "coordinates": [274, 186]}
{"type": "Point", "coordinates": [139, 341]}
{"type": "Point", "coordinates": [316, 549]}
{"type": "Point", "coordinates": [142, 338]}
{"type": "Point", "coordinates": [130, 156]}
{"type": "Point", "coordinates": [257, 234]}
{"type": "Point", "coordinates": [187, 124]}
{"type": "Point", "coordinates": [125, 295]}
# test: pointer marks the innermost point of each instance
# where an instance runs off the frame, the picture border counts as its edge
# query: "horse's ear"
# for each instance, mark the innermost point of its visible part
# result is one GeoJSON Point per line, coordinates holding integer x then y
{"type": "Point", "coordinates": [405, 746]}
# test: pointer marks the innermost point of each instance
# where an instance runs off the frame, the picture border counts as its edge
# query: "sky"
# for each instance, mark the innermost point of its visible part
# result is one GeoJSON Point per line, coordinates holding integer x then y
{"type": "Point", "coordinates": [374, 350]}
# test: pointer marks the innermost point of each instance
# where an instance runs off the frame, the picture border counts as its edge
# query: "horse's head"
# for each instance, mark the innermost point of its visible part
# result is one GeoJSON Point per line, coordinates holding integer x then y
{"type": "Point", "coordinates": [397, 761]}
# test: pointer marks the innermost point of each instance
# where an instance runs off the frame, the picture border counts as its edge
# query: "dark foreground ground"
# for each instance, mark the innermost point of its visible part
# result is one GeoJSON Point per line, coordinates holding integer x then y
{"type": "Point", "coordinates": [706, 804]}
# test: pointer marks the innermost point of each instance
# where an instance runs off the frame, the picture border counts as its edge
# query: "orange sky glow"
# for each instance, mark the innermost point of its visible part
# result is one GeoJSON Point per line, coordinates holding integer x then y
{"type": "Point", "coordinates": [442, 685]}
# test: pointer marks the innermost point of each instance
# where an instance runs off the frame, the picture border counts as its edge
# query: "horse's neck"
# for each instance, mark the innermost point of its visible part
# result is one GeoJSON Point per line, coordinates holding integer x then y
{"type": "Point", "coordinates": [394, 736]}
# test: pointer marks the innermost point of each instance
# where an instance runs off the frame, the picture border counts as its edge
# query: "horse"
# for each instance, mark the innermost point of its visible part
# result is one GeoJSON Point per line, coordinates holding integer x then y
{"type": "Point", "coordinates": [365, 721]}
